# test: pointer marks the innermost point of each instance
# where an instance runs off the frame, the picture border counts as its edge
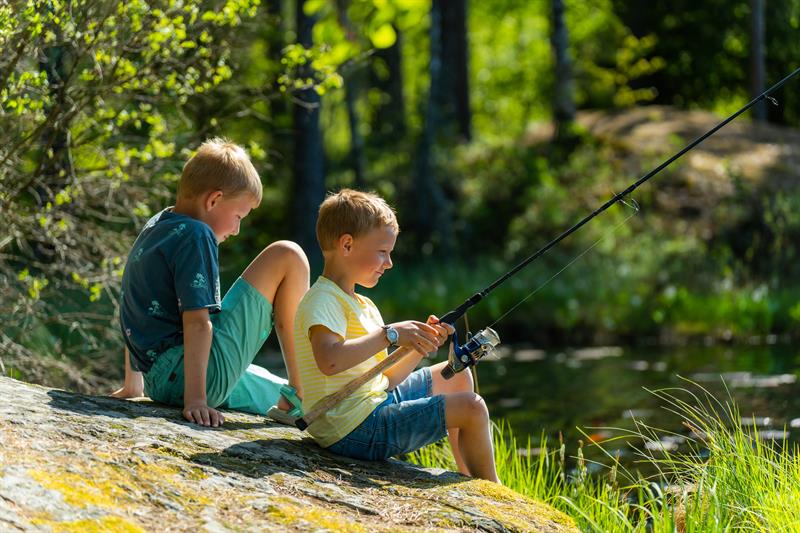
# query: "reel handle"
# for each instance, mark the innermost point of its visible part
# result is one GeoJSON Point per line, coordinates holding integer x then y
{"type": "Point", "coordinates": [448, 372]}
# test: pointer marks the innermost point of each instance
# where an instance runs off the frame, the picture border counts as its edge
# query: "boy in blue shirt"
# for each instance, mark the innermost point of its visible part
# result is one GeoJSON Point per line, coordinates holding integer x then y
{"type": "Point", "coordinates": [186, 346]}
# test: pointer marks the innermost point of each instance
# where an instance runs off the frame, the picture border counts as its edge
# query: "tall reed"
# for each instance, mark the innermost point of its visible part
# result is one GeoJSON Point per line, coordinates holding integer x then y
{"type": "Point", "coordinates": [724, 476]}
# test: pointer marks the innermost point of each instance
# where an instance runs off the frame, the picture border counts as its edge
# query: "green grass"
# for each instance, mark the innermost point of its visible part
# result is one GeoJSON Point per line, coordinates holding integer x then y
{"type": "Point", "coordinates": [724, 478]}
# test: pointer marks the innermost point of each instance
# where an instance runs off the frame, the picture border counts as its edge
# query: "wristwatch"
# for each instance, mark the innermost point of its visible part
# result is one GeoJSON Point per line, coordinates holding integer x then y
{"type": "Point", "coordinates": [391, 335]}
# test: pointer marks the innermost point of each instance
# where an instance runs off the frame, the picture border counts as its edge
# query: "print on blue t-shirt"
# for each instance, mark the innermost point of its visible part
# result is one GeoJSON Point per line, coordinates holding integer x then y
{"type": "Point", "coordinates": [173, 267]}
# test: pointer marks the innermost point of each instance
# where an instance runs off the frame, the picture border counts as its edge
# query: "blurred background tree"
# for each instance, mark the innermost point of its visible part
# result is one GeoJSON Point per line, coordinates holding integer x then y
{"type": "Point", "coordinates": [451, 110]}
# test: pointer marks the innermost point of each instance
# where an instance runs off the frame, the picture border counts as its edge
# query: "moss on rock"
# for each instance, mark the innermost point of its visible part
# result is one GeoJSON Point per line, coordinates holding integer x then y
{"type": "Point", "coordinates": [71, 462]}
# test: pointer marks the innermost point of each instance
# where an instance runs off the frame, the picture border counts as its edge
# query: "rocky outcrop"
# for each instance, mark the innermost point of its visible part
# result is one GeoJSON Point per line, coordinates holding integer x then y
{"type": "Point", "coordinates": [70, 462]}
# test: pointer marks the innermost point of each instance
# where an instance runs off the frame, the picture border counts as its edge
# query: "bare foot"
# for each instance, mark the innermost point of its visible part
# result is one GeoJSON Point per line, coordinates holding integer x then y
{"type": "Point", "coordinates": [283, 404]}
{"type": "Point", "coordinates": [126, 392]}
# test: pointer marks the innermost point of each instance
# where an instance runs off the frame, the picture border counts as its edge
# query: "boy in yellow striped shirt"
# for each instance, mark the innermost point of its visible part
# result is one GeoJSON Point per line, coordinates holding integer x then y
{"type": "Point", "coordinates": [339, 335]}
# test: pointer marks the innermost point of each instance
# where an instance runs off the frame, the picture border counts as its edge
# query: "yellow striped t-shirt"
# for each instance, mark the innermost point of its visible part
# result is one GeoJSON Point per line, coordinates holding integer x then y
{"type": "Point", "coordinates": [326, 304]}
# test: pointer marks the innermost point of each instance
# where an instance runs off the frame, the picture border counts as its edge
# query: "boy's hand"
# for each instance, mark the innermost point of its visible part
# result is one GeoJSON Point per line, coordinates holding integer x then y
{"type": "Point", "coordinates": [418, 336]}
{"type": "Point", "coordinates": [443, 329]}
{"type": "Point", "coordinates": [200, 413]}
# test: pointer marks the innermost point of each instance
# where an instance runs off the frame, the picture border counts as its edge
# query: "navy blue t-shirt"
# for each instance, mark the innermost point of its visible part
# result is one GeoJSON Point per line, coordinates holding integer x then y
{"type": "Point", "coordinates": [173, 267]}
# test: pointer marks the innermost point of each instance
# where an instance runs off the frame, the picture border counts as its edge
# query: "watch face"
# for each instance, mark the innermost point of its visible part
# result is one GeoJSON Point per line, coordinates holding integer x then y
{"type": "Point", "coordinates": [392, 335]}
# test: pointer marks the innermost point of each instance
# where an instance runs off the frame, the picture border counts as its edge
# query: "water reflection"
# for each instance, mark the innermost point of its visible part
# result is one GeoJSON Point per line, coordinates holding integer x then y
{"type": "Point", "coordinates": [557, 392]}
{"type": "Point", "coordinates": [607, 387]}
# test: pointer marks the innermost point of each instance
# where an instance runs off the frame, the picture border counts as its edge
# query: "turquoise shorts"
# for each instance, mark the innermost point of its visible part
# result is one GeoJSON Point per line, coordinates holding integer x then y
{"type": "Point", "coordinates": [240, 329]}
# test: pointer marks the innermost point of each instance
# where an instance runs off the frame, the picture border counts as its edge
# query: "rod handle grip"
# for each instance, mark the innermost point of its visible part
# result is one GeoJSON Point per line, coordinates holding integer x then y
{"type": "Point", "coordinates": [451, 317]}
{"type": "Point", "coordinates": [459, 311]}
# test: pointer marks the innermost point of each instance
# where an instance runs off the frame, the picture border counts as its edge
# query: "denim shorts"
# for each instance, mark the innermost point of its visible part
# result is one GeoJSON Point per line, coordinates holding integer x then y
{"type": "Point", "coordinates": [409, 419]}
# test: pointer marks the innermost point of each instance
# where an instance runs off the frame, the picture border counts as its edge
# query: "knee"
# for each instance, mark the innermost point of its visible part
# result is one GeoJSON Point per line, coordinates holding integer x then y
{"type": "Point", "coordinates": [477, 411]}
{"type": "Point", "coordinates": [480, 406]}
{"type": "Point", "coordinates": [290, 254]}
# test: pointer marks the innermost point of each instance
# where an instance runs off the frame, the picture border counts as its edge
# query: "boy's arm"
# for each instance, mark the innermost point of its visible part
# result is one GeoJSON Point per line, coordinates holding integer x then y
{"type": "Point", "coordinates": [333, 354]}
{"type": "Point", "coordinates": [400, 370]}
{"type": "Point", "coordinates": [197, 336]}
{"type": "Point", "coordinates": [133, 386]}
{"type": "Point", "coordinates": [405, 366]}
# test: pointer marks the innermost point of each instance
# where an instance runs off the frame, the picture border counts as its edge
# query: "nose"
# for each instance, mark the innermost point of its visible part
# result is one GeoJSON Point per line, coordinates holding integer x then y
{"type": "Point", "coordinates": [236, 229]}
{"type": "Point", "coordinates": [387, 264]}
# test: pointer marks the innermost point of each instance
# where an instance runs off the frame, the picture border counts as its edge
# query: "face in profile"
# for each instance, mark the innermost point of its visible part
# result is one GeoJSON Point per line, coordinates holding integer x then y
{"type": "Point", "coordinates": [226, 213]}
{"type": "Point", "coordinates": [370, 255]}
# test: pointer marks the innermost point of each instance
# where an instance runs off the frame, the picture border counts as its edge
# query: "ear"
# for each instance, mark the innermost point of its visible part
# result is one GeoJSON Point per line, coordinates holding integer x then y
{"type": "Point", "coordinates": [346, 244]}
{"type": "Point", "coordinates": [213, 199]}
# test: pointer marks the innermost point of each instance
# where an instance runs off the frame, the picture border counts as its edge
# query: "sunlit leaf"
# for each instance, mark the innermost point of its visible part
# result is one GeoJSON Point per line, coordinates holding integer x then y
{"type": "Point", "coordinates": [384, 36]}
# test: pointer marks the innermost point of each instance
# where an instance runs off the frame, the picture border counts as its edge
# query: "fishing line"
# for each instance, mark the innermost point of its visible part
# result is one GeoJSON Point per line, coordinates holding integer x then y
{"type": "Point", "coordinates": [453, 315]}
{"type": "Point", "coordinates": [632, 204]}
{"type": "Point", "coordinates": [484, 342]}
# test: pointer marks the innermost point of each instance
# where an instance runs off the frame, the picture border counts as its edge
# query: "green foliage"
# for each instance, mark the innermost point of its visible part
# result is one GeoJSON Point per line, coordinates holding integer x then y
{"type": "Point", "coordinates": [296, 57]}
{"type": "Point", "coordinates": [706, 50]}
{"type": "Point", "coordinates": [510, 65]}
{"type": "Point", "coordinates": [609, 59]}
{"type": "Point", "coordinates": [90, 111]}
{"type": "Point", "coordinates": [783, 22]}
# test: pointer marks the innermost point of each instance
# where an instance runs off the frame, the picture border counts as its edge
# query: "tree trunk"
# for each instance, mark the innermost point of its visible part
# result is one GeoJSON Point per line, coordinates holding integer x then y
{"type": "Point", "coordinates": [352, 79]}
{"type": "Point", "coordinates": [563, 98]}
{"type": "Point", "coordinates": [456, 116]}
{"type": "Point", "coordinates": [356, 140]}
{"type": "Point", "coordinates": [309, 177]}
{"type": "Point", "coordinates": [386, 75]}
{"type": "Point", "coordinates": [431, 221]}
{"type": "Point", "coordinates": [757, 67]}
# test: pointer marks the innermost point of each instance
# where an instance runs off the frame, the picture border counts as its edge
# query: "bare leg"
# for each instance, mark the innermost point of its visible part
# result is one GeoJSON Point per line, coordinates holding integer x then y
{"type": "Point", "coordinates": [461, 382]}
{"type": "Point", "coordinates": [281, 273]}
{"type": "Point", "coordinates": [467, 412]}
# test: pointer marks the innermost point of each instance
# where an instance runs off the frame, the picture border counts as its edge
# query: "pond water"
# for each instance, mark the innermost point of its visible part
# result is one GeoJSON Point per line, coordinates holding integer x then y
{"type": "Point", "coordinates": [577, 391]}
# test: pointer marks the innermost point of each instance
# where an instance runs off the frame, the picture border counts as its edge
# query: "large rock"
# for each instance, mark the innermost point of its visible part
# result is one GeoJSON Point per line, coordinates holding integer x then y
{"type": "Point", "coordinates": [70, 462]}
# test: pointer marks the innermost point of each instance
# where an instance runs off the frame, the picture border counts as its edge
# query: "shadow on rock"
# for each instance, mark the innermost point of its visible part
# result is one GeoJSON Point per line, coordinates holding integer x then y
{"type": "Point", "coordinates": [303, 457]}
{"type": "Point", "coordinates": [117, 408]}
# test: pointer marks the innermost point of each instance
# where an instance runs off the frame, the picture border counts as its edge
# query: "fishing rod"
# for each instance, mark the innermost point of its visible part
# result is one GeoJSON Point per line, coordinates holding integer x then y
{"type": "Point", "coordinates": [468, 354]}
{"type": "Point", "coordinates": [462, 356]}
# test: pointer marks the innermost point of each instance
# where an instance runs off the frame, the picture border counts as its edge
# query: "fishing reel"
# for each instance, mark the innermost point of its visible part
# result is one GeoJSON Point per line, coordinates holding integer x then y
{"type": "Point", "coordinates": [468, 354]}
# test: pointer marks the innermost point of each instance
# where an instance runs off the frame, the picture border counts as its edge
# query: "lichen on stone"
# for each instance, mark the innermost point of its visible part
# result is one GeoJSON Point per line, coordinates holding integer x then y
{"type": "Point", "coordinates": [71, 462]}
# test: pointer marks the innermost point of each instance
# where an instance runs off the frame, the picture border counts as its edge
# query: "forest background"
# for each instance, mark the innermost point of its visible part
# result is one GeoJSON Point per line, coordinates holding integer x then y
{"type": "Point", "coordinates": [469, 117]}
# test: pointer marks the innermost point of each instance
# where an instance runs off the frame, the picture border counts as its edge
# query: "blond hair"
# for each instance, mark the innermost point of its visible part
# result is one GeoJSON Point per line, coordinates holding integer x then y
{"type": "Point", "coordinates": [353, 212]}
{"type": "Point", "coordinates": [219, 165]}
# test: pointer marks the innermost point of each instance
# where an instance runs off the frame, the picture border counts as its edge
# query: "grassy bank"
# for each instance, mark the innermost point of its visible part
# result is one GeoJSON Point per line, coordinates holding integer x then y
{"type": "Point", "coordinates": [724, 477]}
